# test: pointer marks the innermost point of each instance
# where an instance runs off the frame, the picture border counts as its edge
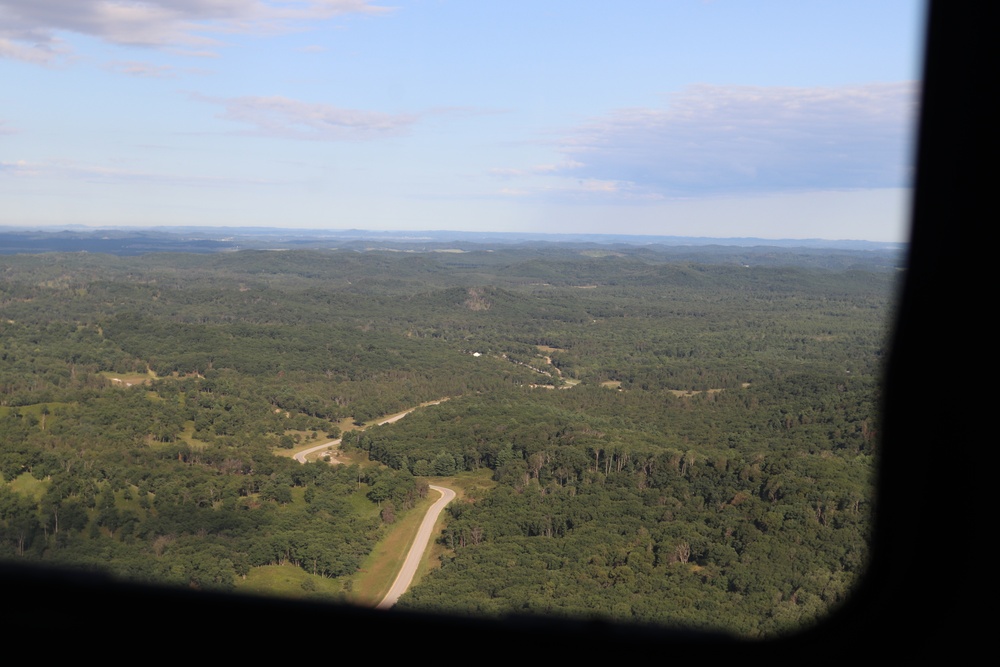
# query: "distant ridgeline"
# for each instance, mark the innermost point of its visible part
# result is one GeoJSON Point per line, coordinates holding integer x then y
{"type": "Point", "coordinates": [114, 243]}
{"type": "Point", "coordinates": [138, 241]}
{"type": "Point", "coordinates": [651, 433]}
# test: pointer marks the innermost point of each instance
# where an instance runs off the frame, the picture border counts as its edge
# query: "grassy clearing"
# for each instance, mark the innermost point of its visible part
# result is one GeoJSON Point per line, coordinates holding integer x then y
{"type": "Point", "coordinates": [34, 409]}
{"type": "Point", "coordinates": [360, 504]}
{"type": "Point", "coordinates": [612, 384]}
{"type": "Point", "coordinates": [691, 392]}
{"type": "Point", "coordinates": [290, 581]}
{"type": "Point", "coordinates": [370, 584]}
{"type": "Point", "coordinates": [306, 441]}
{"type": "Point", "coordinates": [346, 424]}
{"type": "Point", "coordinates": [468, 486]}
{"type": "Point", "coordinates": [187, 435]}
{"type": "Point", "coordinates": [128, 379]}
{"type": "Point", "coordinates": [380, 567]}
{"type": "Point", "coordinates": [396, 416]}
{"type": "Point", "coordinates": [357, 457]}
{"type": "Point", "coordinates": [28, 486]}
{"type": "Point", "coordinates": [132, 503]}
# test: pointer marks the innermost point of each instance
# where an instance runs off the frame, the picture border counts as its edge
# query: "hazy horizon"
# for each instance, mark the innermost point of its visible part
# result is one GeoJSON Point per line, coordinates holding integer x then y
{"type": "Point", "coordinates": [703, 119]}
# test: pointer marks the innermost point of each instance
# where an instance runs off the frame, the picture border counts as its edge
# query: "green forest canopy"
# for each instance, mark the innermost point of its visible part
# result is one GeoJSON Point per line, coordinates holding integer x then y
{"type": "Point", "coordinates": [676, 442]}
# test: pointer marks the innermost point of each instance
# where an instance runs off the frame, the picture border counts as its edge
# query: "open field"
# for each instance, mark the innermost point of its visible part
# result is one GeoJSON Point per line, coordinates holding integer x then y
{"type": "Point", "coordinates": [28, 486]}
{"type": "Point", "coordinates": [127, 380]}
{"type": "Point", "coordinates": [690, 392]}
{"type": "Point", "coordinates": [290, 581]}
{"type": "Point", "coordinates": [370, 584]}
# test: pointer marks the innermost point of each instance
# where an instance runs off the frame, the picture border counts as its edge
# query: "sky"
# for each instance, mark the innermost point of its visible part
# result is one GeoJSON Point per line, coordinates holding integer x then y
{"type": "Point", "coordinates": [772, 119]}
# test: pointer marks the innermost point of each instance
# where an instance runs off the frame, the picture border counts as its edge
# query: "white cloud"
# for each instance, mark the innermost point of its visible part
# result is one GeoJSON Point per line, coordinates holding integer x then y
{"type": "Point", "coordinates": [284, 117]}
{"type": "Point", "coordinates": [562, 167]}
{"type": "Point", "coordinates": [91, 173]}
{"type": "Point", "coordinates": [135, 68]}
{"type": "Point", "coordinates": [37, 52]}
{"type": "Point", "coordinates": [28, 27]}
{"type": "Point", "coordinates": [586, 190]}
{"type": "Point", "coordinates": [719, 139]}
{"type": "Point", "coordinates": [18, 168]}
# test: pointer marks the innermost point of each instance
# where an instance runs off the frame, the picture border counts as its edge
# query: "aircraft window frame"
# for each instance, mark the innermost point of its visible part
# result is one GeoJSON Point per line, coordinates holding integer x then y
{"type": "Point", "coordinates": [899, 599]}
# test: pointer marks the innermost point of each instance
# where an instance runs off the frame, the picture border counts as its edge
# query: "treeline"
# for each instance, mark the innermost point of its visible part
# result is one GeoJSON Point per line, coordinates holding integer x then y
{"type": "Point", "coordinates": [670, 441]}
{"type": "Point", "coordinates": [758, 512]}
{"type": "Point", "coordinates": [109, 494]}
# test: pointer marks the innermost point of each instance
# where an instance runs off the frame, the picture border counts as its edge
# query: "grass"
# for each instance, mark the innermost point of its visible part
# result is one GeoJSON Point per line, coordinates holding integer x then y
{"type": "Point", "coordinates": [290, 581]}
{"type": "Point", "coordinates": [28, 486]}
{"type": "Point", "coordinates": [467, 485]}
{"type": "Point", "coordinates": [345, 425]}
{"type": "Point", "coordinates": [306, 441]}
{"type": "Point", "coordinates": [398, 415]}
{"type": "Point", "coordinates": [380, 567]}
{"type": "Point", "coordinates": [127, 379]}
{"type": "Point", "coordinates": [187, 435]}
{"type": "Point", "coordinates": [360, 505]}
{"type": "Point", "coordinates": [132, 504]}
{"type": "Point", "coordinates": [358, 457]}
{"type": "Point", "coordinates": [33, 409]}
{"type": "Point", "coordinates": [693, 392]}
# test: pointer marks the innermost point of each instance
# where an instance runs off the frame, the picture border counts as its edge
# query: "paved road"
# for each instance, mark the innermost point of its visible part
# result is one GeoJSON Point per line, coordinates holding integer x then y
{"type": "Point", "coordinates": [301, 456]}
{"type": "Point", "coordinates": [405, 576]}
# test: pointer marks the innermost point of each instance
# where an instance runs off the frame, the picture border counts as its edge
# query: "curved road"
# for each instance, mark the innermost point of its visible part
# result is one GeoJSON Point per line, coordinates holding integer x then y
{"type": "Point", "coordinates": [409, 569]}
{"type": "Point", "coordinates": [405, 576]}
{"type": "Point", "coordinates": [301, 456]}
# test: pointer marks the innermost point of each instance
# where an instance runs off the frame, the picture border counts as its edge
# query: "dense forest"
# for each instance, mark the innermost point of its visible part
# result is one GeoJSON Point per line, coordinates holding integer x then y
{"type": "Point", "coordinates": [667, 440]}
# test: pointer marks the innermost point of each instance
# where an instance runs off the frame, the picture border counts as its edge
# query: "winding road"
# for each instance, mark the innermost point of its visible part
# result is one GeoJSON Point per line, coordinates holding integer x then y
{"type": "Point", "coordinates": [423, 538]}
{"type": "Point", "coordinates": [301, 456]}
{"type": "Point", "coordinates": [405, 576]}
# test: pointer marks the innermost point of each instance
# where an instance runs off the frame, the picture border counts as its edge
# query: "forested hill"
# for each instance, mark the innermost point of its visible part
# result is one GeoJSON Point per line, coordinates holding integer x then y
{"type": "Point", "coordinates": [749, 251]}
{"type": "Point", "coordinates": [666, 439]}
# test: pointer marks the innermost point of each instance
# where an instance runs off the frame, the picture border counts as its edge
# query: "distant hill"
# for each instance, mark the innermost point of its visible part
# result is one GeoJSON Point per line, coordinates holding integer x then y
{"type": "Point", "coordinates": [817, 253]}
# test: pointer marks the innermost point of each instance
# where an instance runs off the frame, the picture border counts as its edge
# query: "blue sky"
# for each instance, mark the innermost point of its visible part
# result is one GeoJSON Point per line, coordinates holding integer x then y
{"type": "Point", "coordinates": [722, 118]}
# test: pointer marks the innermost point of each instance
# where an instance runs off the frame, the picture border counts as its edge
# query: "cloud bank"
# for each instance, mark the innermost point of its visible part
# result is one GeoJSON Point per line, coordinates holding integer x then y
{"type": "Point", "coordinates": [92, 173]}
{"type": "Point", "coordinates": [146, 70]}
{"type": "Point", "coordinates": [293, 119]}
{"type": "Point", "coordinates": [28, 28]}
{"type": "Point", "coordinates": [737, 139]}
